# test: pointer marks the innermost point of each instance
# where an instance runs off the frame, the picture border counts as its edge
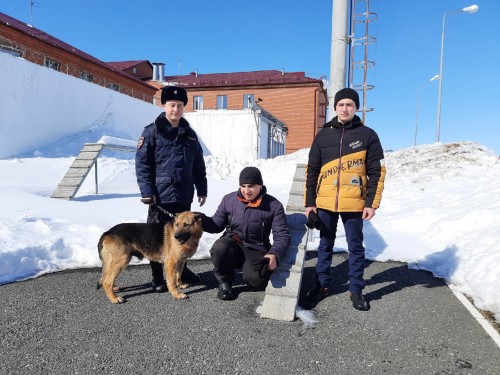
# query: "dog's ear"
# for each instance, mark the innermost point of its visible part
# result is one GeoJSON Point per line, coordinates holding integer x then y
{"type": "Point", "coordinates": [197, 215]}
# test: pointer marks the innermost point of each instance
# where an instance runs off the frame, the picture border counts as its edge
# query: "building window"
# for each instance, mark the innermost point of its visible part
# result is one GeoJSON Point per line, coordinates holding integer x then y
{"type": "Point", "coordinates": [322, 110]}
{"type": "Point", "coordinates": [198, 103]}
{"type": "Point", "coordinates": [221, 101]}
{"type": "Point", "coordinates": [113, 86]}
{"type": "Point", "coordinates": [248, 101]}
{"type": "Point", "coordinates": [11, 50]}
{"type": "Point", "coordinates": [86, 76]}
{"type": "Point", "coordinates": [52, 64]}
{"type": "Point", "coordinates": [134, 70]}
{"type": "Point", "coordinates": [277, 140]}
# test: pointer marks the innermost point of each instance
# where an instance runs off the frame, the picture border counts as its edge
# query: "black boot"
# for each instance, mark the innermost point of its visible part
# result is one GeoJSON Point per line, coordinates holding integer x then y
{"type": "Point", "coordinates": [225, 291]}
{"type": "Point", "coordinates": [317, 294]}
{"type": "Point", "coordinates": [359, 302]}
{"type": "Point", "coordinates": [158, 284]}
{"type": "Point", "coordinates": [188, 276]}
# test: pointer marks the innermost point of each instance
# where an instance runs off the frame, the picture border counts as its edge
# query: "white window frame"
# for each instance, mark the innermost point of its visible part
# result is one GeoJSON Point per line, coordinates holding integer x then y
{"type": "Point", "coordinates": [10, 49]}
{"type": "Point", "coordinates": [198, 103]}
{"type": "Point", "coordinates": [221, 101]}
{"type": "Point", "coordinates": [113, 86]}
{"type": "Point", "coordinates": [246, 102]}
{"type": "Point", "coordinates": [52, 64]}
{"type": "Point", "coordinates": [86, 76]}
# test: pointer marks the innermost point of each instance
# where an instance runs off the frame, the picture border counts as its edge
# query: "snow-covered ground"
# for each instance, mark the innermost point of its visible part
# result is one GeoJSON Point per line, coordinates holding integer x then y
{"type": "Point", "coordinates": [438, 212]}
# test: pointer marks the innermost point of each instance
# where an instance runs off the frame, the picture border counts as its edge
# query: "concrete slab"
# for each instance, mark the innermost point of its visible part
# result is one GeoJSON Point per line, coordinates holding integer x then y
{"type": "Point", "coordinates": [282, 293]}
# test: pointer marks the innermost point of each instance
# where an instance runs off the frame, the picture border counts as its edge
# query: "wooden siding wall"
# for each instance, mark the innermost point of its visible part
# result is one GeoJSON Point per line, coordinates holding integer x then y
{"type": "Point", "coordinates": [142, 70]}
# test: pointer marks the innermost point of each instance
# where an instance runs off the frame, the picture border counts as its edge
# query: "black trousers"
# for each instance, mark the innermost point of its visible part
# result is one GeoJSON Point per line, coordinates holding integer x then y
{"type": "Point", "coordinates": [155, 215]}
{"type": "Point", "coordinates": [227, 255]}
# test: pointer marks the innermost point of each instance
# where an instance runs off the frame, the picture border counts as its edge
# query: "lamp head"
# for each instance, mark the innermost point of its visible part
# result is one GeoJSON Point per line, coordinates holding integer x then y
{"type": "Point", "coordinates": [471, 9]}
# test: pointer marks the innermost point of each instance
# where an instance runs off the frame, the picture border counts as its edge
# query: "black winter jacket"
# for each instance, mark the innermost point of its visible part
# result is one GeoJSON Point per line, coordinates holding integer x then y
{"type": "Point", "coordinates": [253, 225]}
{"type": "Point", "coordinates": [169, 162]}
{"type": "Point", "coordinates": [345, 171]}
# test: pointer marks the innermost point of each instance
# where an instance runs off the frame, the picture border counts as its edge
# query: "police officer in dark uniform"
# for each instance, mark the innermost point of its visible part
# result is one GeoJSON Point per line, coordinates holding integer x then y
{"type": "Point", "coordinates": [169, 166]}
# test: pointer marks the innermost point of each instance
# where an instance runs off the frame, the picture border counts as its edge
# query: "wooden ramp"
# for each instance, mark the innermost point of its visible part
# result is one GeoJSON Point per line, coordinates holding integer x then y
{"type": "Point", "coordinates": [81, 167]}
{"type": "Point", "coordinates": [282, 292]}
{"type": "Point", "coordinates": [76, 174]}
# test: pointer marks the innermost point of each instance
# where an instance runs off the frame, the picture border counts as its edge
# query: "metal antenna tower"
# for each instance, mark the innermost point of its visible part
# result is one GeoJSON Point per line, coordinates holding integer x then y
{"type": "Point", "coordinates": [361, 17]}
{"type": "Point", "coordinates": [32, 4]}
{"type": "Point", "coordinates": [31, 12]}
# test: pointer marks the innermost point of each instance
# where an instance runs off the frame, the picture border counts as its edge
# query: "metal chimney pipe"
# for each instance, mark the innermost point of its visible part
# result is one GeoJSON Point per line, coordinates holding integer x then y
{"type": "Point", "coordinates": [161, 72]}
{"type": "Point", "coordinates": [155, 72]}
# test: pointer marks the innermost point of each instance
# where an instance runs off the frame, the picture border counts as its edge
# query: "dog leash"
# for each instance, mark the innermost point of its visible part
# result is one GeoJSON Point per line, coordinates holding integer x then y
{"type": "Point", "coordinates": [165, 211]}
{"type": "Point", "coordinates": [150, 201]}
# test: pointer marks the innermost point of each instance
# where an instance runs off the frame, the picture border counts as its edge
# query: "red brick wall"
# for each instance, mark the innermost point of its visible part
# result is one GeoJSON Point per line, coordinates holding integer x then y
{"type": "Point", "coordinates": [73, 65]}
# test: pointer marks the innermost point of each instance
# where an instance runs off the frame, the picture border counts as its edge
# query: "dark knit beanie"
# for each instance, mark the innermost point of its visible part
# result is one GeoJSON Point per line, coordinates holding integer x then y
{"type": "Point", "coordinates": [251, 175]}
{"type": "Point", "coordinates": [346, 93]}
{"type": "Point", "coordinates": [173, 93]}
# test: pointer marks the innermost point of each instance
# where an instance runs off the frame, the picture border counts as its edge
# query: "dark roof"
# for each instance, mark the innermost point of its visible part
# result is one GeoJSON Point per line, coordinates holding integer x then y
{"type": "Point", "coordinates": [261, 77]}
{"type": "Point", "coordinates": [49, 39]}
{"type": "Point", "coordinates": [122, 65]}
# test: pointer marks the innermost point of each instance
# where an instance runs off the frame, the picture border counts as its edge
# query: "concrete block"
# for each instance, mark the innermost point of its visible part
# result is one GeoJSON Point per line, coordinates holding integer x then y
{"type": "Point", "coordinates": [282, 292]}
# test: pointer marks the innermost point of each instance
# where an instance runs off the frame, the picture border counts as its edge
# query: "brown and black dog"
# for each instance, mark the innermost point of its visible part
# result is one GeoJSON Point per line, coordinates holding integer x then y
{"type": "Point", "coordinates": [171, 244]}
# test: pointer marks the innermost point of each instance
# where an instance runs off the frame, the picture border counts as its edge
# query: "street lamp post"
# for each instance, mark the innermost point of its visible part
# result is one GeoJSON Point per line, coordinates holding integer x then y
{"type": "Point", "coordinates": [470, 9]}
{"type": "Point", "coordinates": [418, 96]}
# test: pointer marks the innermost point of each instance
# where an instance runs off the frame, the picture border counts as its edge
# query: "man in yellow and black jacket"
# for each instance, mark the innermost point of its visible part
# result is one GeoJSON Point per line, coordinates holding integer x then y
{"type": "Point", "coordinates": [344, 178]}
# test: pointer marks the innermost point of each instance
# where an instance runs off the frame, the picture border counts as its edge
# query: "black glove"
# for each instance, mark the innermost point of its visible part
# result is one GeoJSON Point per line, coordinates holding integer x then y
{"type": "Point", "coordinates": [313, 221]}
{"type": "Point", "coordinates": [260, 266]}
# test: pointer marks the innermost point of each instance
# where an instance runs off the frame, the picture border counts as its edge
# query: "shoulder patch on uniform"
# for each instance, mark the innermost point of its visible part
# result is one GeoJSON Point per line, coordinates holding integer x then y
{"type": "Point", "coordinates": [140, 142]}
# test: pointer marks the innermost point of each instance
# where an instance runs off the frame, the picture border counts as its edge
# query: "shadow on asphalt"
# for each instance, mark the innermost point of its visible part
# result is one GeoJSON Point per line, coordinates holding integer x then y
{"type": "Point", "coordinates": [392, 280]}
{"type": "Point", "coordinates": [399, 278]}
{"type": "Point", "coordinates": [207, 282]}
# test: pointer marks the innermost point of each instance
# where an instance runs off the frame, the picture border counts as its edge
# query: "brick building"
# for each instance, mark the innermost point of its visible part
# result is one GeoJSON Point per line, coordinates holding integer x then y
{"type": "Point", "coordinates": [296, 100]}
{"type": "Point", "coordinates": [20, 39]}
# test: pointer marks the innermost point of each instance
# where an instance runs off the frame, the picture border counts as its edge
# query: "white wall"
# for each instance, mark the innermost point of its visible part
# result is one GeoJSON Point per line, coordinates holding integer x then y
{"type": "Point", "coordinates": [43, 111]}
{"type": "Point", "coordinates": [37, 103]}
{"type": "Point", "coordinates": [226, 133]}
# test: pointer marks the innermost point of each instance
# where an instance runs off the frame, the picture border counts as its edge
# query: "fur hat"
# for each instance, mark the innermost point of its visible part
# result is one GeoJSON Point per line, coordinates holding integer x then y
{"type": "Point", "coordinates": [251, 175]}
{"type": "Point", "coordinates": [346, 93]}
{"type": "Point", "coordinates": [173, 93]}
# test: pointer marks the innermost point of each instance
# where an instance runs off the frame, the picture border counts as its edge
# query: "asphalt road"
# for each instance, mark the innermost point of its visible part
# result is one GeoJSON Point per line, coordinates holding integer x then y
{"type": "Point", "coordinates": [60, 324]}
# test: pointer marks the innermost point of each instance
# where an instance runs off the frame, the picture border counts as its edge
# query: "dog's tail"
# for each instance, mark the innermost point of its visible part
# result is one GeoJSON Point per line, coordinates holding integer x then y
{"type": "Point", "coordinates": [100, 243]}
{"type": "Point", "coordinates": [99, 249]}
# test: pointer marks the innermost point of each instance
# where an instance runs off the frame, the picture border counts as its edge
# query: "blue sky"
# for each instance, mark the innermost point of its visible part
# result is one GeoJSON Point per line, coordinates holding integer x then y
{"type": "Point", "coordinates": [229, 36]}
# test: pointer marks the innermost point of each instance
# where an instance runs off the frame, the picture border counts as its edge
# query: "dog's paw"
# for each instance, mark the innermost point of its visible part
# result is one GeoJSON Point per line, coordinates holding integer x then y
{"type": "Point", "coordinates": [181, 296]}
{"type": "Point", "coordinates": [118, 300]}
{"type": "Point", "coordinates": [183, 286]}
{"type": "Point", "coordinates": [117, 288]}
